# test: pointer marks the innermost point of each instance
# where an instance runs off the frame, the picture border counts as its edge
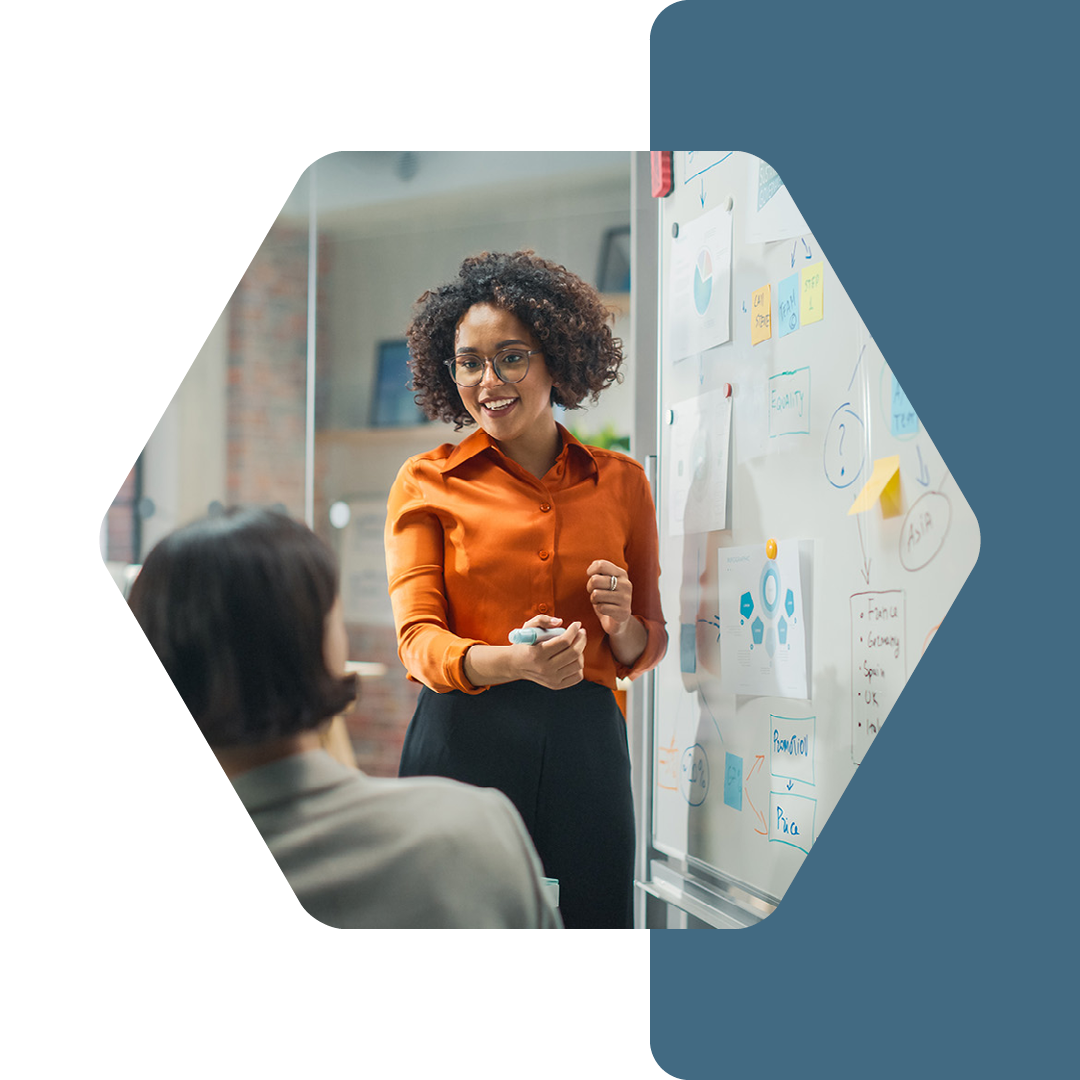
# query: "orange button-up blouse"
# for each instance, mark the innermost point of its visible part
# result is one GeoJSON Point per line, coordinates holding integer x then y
{"type": "Point", "coordinates": [476, 545]}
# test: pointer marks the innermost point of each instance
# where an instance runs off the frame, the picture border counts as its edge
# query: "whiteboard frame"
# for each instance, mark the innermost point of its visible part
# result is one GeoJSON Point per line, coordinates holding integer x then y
{"type": "Point", "coordinates": [669, 871]}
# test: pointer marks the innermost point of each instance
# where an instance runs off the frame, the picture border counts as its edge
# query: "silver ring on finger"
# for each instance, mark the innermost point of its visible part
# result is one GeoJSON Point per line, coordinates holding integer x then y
{"type": "Point", "coordinates": [614, 583]}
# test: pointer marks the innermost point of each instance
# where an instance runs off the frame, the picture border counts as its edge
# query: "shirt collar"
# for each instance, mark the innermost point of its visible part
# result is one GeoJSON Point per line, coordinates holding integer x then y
{"type": "Point", "coordinates": [284, 779]}
{"type": "Point", "coordinates": [480, 440]}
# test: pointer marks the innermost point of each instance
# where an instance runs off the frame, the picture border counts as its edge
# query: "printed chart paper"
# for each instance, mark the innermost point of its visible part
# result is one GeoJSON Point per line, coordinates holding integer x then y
{"type": "Point", "coordinates": [773, 214]}
{"type": "Point", "coordinates": [698, 314]}
{"type": "Point", "coordinates": [762, 624]}
{"type": "Point", "coordinates": [698, 464]}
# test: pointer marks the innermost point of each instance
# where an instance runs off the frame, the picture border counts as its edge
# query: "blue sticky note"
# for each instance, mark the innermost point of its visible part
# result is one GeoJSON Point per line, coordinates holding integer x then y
{"type": "Point", "coordinates": [687, 648]}
{"type": "Point", "coordinates": [904, 420]}
{"type": "Point", "coordinates": [733, 781]}
{"type": "Point", "coordinates": [787, 305]}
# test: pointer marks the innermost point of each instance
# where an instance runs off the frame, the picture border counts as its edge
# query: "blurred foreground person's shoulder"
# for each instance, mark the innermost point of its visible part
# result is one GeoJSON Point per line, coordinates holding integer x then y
{"type": "Point", "coordinates": [360, 851]}
{"type": "Point", "coordinates": [244, 612]}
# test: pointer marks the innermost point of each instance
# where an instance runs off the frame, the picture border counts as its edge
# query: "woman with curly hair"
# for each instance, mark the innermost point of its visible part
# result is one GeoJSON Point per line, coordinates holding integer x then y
{"type": "Point", "coordinates": [517, 525]}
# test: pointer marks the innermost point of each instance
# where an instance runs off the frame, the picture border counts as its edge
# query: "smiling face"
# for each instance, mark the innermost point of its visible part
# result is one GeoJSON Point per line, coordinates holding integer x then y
{"type": "Point", "coordinates": [517, 415]}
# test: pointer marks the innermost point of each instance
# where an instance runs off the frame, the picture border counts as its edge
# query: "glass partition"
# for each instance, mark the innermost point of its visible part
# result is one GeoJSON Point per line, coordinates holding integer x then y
{"type": "Point", "coordinates": [299, 396]}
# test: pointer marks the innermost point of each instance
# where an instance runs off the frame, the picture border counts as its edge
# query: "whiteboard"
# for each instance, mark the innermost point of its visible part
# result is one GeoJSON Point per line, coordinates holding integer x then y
{"type": "Point", "coordinates": [784, 662]}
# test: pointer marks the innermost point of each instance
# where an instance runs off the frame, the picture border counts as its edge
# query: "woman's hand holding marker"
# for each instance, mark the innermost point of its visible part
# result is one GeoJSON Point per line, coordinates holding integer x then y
{"type": "Point", "coordinates": [557, 662]}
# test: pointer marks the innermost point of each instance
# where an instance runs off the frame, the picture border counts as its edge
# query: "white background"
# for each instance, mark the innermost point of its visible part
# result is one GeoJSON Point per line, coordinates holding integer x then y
{"type": "Point", "coordinates": [148, 149]}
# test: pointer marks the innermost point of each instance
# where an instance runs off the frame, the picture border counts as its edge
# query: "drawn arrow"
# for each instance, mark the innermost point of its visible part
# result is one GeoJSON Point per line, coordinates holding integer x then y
{"type": "Point", "coordinates": [809, 254]}
{"type": "Point", "coordinates": [923, 470]}
{"type": "Point", "coordinates": [759, 760]}
{"type": "Point", "coordinates": [702, 191]}
{"type": "Point", "coordinates": [790, 784]}
{"type": "Point", "coordinates": [862, 544]}
{"type": "Point", "coordinates": [764, 830]}
{"type": "Point", "coordinates": [858, 517]}
{"type": "Point", "coordinates": [744, 307]}
{"type": "Point", "coordinates": [857, 363]}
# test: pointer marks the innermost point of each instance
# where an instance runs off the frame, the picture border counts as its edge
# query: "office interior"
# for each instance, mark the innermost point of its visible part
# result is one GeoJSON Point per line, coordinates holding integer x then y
{"type": "Point", "coordinates": [298, 398]}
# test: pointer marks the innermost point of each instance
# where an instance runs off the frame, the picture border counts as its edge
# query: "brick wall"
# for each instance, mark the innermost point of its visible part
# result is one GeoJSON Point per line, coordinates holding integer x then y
{"type": "Point", "coordinates": [267, 374]}
{"type": "Point", "coordinates": [120, 523]}
{"type": "Point", "coordinates": [377, 723]}
{"type": "Point", "coordinates": [265, 410]}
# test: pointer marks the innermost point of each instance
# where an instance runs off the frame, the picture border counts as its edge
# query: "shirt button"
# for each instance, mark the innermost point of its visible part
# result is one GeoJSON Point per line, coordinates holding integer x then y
{"type": "Point", "coordinates": [545, 554]}
{"type": "Point", "coordinates": [545, 507]}
{"type": "Point", "coordinates": [542, 608]}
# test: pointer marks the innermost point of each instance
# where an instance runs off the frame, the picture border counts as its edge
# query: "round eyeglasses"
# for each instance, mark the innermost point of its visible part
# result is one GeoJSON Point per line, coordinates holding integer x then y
{"type": "Point", "coordinates": [510, 366]}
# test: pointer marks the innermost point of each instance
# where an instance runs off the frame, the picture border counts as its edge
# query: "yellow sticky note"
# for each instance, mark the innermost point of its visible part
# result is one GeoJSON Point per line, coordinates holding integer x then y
{"type": "Point", "coordinates": [761, 315]}
{"type": "Point", "coordinates": [811, 294]}
{"type": "Point", "coordinates": [883, 485]}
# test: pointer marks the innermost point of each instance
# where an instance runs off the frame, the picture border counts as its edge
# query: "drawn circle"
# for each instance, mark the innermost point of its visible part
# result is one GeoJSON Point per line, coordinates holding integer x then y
{"type": "Point", "coordinates": [703, 281]}
{"type": "Point", "coordinates": [930, 636]}
{"type": "Point", "coordinates": [924, 530]}
{"type": "Point", "coordinates": [694, 775]}
{"type": "Point", "coordinates": [845, 447]}
{"type": "Point", "coordinates": [770, 586]}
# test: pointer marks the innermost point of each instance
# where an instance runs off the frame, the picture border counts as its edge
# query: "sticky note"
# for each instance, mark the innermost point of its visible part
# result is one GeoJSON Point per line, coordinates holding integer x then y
{"type": "Point", "coordinates": [733, 781]}
{"type": "Point", "coordinates": [903, 418]}
{"type": "Point", "coordinates": [687, 648]}
{"type": "Point", "coordinates": [811, 289]}
{"type": "Point", "coordinates": [883, 485]}
{"type": "Point", "coordinates": [787, 305]}
{"type": "Point", "coordinates": [761, 315]}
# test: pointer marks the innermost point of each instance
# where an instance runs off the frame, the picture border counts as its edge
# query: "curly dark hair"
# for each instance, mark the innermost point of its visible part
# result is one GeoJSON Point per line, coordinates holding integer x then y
{"type": "Point", "coordinates": [564, 313]}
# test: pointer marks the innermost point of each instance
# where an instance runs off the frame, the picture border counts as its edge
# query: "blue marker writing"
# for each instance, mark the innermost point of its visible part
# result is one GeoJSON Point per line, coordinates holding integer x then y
{"type": "Point", "coordinates": [533, 635]}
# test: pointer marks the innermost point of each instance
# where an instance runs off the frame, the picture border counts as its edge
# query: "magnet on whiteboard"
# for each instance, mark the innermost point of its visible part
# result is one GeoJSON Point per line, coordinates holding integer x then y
{"type": "Point", "coordinates": [770, 548]}
{"type": "Point", "coordinates": [727, 389]}
{"type": "Point", "coordinates": [671, 416]}
{"type": "Point", "coordinates": [730, 203]}
{"type": "Point", "coordinates": [660, 161]}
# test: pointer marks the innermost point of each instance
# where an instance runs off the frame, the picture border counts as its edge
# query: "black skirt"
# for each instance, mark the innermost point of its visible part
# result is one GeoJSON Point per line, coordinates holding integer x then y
{"type": "Point", "coordinates": [561, 757]}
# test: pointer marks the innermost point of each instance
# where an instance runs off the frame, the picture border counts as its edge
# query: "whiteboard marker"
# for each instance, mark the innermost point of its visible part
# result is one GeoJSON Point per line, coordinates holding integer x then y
{"type": "Point", "coordinates": [533, 635]}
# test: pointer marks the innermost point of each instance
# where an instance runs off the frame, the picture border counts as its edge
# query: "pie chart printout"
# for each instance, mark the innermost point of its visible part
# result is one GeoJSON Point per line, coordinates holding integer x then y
{"type": "Point", "coordinates": [702, 281]}
{"type": "Point", "coordinates": [697, 316]}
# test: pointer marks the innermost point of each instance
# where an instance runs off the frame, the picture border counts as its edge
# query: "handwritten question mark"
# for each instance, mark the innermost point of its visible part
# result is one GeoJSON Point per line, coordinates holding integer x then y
{"type": "Point", "coordinates": [842, 430]}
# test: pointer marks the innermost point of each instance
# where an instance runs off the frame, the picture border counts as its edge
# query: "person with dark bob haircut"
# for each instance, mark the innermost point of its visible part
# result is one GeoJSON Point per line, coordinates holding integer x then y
{"type": "Point", "coordinates": [520, 525]}
{"type": "Point", "coordinates": [243, 611]}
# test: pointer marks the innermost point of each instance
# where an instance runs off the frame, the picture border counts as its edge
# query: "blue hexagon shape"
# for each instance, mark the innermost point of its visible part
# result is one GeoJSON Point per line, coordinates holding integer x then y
{"type": "Point", "coordinates": [781, 629]}
{"type": "Point", "coordinates": [789, 603]}
{"type": "Point", "coordinates": [757, 629]}
{"type": "Point", "coordinates": [746, 605]}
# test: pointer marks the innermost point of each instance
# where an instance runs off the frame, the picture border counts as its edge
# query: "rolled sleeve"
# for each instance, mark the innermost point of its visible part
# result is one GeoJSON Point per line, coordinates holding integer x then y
{"type": "Point", "coordinates": [431, 652]}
